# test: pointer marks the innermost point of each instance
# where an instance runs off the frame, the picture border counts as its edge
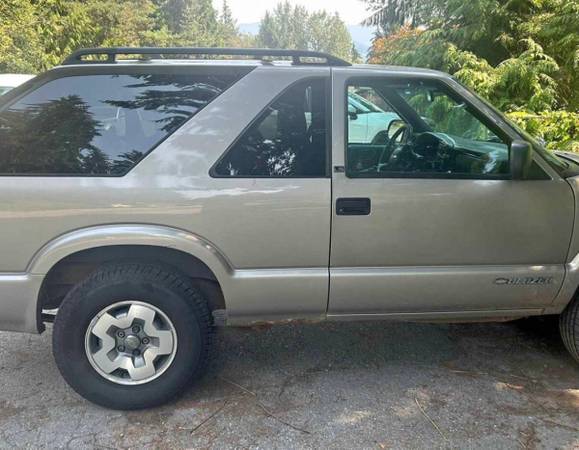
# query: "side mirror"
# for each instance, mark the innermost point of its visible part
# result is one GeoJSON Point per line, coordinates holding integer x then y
{"type": "Point", "coordinates": [394, 126]}
{"type": "Point", "coordinates": [521, 159]}
{"type": "Point", "coordinates": [352, 114]}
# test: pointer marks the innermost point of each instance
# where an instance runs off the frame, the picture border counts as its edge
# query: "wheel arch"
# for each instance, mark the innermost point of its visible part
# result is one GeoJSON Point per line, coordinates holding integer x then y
{"type": "Point", "coordinates": [72, 256]}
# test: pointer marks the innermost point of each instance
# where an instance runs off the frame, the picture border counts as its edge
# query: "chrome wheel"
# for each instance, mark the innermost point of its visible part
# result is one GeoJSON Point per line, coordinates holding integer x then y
{"type": "Point", "coordinates": [130, 342]}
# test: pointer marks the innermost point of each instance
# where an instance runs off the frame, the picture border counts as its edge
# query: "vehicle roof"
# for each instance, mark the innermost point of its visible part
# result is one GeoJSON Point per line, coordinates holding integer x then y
{"type": "Point", "coordinates": [14, 79]}
{"type": "Point", "coordinates": [399, 69]}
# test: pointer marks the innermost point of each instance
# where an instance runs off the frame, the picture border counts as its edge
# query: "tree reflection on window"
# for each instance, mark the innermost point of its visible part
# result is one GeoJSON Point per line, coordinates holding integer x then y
{"type": "Point", "coordinates": [99, 124]}
{"type": "Point", "coordinates": [287, 140]}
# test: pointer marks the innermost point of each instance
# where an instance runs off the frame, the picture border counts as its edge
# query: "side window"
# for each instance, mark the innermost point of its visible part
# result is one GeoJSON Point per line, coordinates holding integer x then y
{"type": "Point", "coordinates": [422, 128]}
{"type": "Point", "coordinates": [368, 116]}
{"type": "Point", "coordinates": [287, 140]}
{"type": "Point", "coordinates": [100, 124]}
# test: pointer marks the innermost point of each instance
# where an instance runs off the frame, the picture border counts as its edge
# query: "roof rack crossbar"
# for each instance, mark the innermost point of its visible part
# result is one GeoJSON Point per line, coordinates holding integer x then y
{"type": "Point", "coordinates": [297, 56]}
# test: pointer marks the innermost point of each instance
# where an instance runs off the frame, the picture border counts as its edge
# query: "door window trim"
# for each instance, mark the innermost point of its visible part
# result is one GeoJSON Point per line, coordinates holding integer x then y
{"type": "Point", "coordinates": [328, 105]}
{"type": "Point", "coordinates": [370, 81]}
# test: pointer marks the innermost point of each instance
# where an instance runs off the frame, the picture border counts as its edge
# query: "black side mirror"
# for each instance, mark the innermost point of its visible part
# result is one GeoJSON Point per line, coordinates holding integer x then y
{"type": "Point", "coordinates": [521, 159]}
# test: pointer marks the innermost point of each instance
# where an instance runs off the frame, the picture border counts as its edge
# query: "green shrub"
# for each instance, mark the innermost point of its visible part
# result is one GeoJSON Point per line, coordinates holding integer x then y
{"type": "Point", "coordinates": [559, 129]}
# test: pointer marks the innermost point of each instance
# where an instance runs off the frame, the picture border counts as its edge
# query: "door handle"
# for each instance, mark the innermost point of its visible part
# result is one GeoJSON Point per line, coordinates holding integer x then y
{"type": "Point", "coordinates": [353, 206]}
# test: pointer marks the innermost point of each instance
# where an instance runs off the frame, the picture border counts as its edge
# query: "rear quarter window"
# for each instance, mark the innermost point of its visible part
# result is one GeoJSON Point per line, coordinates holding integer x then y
{"type": "Point", "coordinates": [100, 124]}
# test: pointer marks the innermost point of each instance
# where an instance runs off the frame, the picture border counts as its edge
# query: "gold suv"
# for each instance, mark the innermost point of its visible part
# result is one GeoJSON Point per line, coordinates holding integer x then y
{"type": "Point", "coordinates": [151, 194]}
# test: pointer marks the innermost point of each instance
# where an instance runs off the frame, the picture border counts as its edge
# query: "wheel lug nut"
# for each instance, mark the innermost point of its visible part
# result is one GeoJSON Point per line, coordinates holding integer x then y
{"type": "Point", "coordinates": [136, 329]}
{"type": "Point", "coordinates": [136, 352]}
{"type": "Point", "coordinates": [121, 348]}
{"type": "Point", "coordinates": [145, 341]}
{"type": "Point", "coordinates": [121, 334]}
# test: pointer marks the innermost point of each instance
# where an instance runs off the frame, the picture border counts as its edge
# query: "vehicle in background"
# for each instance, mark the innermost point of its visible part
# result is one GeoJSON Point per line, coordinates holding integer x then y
{"type": "Point", "coordinates": [367, 121]}
{"type": "Point", "coordinates": [9, 81]}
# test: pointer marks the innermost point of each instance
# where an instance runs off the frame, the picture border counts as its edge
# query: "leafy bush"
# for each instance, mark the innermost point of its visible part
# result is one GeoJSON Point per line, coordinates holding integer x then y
{"type": "Point", "coordinates": [521, 55]}
{"type": "Point", "coordinates": [559, 129]}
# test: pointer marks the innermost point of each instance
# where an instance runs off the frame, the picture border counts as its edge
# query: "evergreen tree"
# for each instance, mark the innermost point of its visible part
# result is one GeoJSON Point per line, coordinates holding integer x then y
{"type": "Point", "coordinates": [228, 25]}
{"type": "Point", "coordinates": [173, 14]}
{"type": "Point", "coordinates": [518, 53]}
{"type": "Point", "coordinates": [293, 27]}
{"type": "Point", "coordinates": [356, 56]}
{"type": "Point", "coordinates": [226, 17]}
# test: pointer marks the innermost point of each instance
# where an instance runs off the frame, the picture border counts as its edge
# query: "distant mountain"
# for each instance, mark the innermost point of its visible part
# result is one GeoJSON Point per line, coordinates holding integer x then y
{"type": "Point", "coordinates": [361, 35]}
{"type": "Point", "coordinates": [249, 28]}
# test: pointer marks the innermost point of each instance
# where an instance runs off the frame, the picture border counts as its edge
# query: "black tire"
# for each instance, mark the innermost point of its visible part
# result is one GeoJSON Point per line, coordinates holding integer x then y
{"type": "Point", "coordinates": [175, 295]}
{"type": "Point", "coordinates": [569, 328]}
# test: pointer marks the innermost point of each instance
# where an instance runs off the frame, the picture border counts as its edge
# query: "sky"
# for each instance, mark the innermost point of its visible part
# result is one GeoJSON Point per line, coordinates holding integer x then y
{"type": "Point", "coordinates": [248, 11]}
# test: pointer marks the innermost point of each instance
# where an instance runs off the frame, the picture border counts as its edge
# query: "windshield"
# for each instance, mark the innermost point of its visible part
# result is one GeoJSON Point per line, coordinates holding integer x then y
{"type": "Point", "coordinates": [443, 113]}
{"type": "Point", "coordinates": [4, 89]}
{"type": "Point", "coordinates": [557, 163]}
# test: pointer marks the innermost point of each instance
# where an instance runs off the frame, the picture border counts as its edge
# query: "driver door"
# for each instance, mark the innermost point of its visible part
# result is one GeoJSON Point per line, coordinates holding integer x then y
{"type": "Point", "coordinates": [435, 223]}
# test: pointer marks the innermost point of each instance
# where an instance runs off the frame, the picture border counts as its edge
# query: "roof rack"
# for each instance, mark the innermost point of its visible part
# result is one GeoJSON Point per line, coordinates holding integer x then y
{"type": "Point", "coordinates": [299, 57]}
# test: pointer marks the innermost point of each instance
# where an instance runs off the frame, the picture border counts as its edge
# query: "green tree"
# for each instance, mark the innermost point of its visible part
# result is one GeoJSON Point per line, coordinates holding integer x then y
{"type": "Point", "coordinates": [199, 21]}
{"type": "Point", "coordinates": [36, 35]}
{"type": "Point", "coordinates": [195, 23]}
{"type": "Point", "coordinates": [172, 14]}
{"type": "Point", "coordinates": [293, 27]}
{"type": "Point", "coordinates": [520, 53]}
{"type": "Point", "coordinates": [328, 33]}
{"type": "Point", "coordinates": [20, 44]}
{"type": "Point", "coordinates": [117, 23]}
{"type": "Point", "coordinates": [227, 24]}
{"type": "Point", "coordinates": [556, 28]}
{"type": "Point", "coordinates": [284, 27]}
{"type": "Point", "coordinates": [390, 15]}
{"type": "Point", "coordinates": [523, 55]}
{"type": "Point", "coordinates": [356, 56]}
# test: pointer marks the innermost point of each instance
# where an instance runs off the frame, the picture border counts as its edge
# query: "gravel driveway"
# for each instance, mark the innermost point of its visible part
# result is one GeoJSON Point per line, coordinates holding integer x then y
{"type": "Point", "coordinates": [349, 385]}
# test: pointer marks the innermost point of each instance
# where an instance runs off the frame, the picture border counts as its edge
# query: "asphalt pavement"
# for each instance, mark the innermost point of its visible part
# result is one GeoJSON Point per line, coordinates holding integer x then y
{"type": "Point", "coordinates": [374, 385]}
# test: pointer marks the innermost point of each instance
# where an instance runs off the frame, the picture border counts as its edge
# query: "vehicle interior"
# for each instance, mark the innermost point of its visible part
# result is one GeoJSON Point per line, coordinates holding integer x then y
{"type": "Point", "coordinates": [288, 139]}
{"type": "Point", "coordinates": [436, 133]}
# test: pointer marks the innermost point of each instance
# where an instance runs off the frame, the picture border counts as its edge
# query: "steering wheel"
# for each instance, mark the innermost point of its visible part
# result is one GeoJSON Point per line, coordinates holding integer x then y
{"type": "Point", "coordinates": [389, 147]}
